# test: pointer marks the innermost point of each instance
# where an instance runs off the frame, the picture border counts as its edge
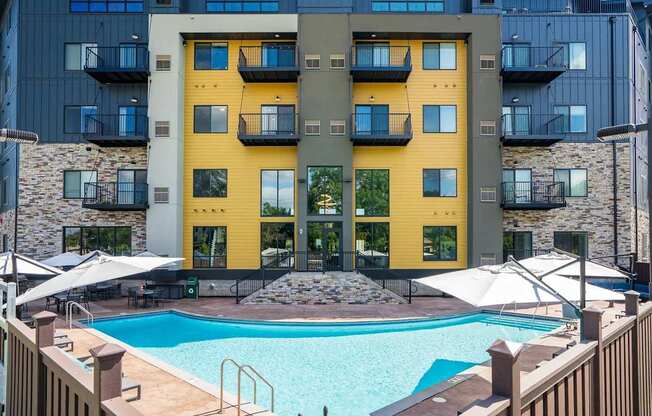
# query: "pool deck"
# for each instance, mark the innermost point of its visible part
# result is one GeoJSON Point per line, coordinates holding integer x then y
{"type": "Point", "coordinates": [168, 391]}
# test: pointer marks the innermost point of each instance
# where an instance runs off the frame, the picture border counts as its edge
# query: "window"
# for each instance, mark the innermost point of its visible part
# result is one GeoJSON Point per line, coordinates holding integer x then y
{"type": "Point", "coordinates": [576, 242]}
{"type": "Point", "coordinates": [439, 243]}
{"type": "Point", "coordinates": [277, 193]}
{"type": "Point", "coordinates": [211, 119]}
{"type": "Point", "coordinates": [107, 6]}
{"type": "Point", "coordinates": [312, 127]}
{"type": "Point", "coordinates": [209, 183]}
{"type": "Point", "coordinates": [230, 6]}
{"type": "Point", "coordinates": [4, 197]}
{"type": "Point", "coordinates": [76, 183]}
{"type": "Point", "coordinates": [372, 54]}
{"type": "Point", "coordinates": [372, 192]}
{"type": "Point", "coordinates": [80, 119]}
{"type": "Point", "coordinates": [338, 127]}
{"type": "Point", "coordinates": [372, 244]}
{"type": "Point", "coordinates": [164, 2]}
{"type": "Point", "coordinates": [129, 56]}
{"type": "Point", "coordinates": [276, 244]}
{"type": "Point", "coordinates": [112, 240]}
{"type": "Point", "coordinates": [516, 120]}
{"type": "Point", "coordinates": [517, 186]}
{"type": "Point", "coordinates": [439, 119]}
{"type": "Point", "coordinates": [440, 182]}
{"type": "Point", "coordinates": [436, 6]}
{"type": "Point", "coordinates": [337, 61]}
{"type": "Point", "coordinates": [77, 54]}
{"type": "Point", "coordinates": [209, 247]}
{"type": "Point", "coordinates": [325, 190]}
{"type": "Point", "coordinates": [575, 55]}
{"type": "Point", "coordinates": [211, 56]}
{"type": "Point", "coordinates": [575, 181]}
{"type": "Point", "coordinates": [372, 119]}
{"type": "Point", "coordinates": [517, 244]}
{"type": "Point", "coordinates": [572, 120]}
{"type": "Point", "coordinates": [439, 56]}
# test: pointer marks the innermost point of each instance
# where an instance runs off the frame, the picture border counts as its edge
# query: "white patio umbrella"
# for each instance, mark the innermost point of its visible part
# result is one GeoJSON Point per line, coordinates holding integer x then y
{"type": "Point", "coordinates": [146, 254]}
{"type": "Point", "coordinates": [25, 266]}
{"type": "Point", "coordinates": [100, 269]}
{"type": "Point", "coordinates": [491, 285]}
{"type": "Point", "coordinates": [68, 259]}
{"type": "Point", "coordinates": [551, 261]}
{"type": "Point", "coordinates": [93, 254]}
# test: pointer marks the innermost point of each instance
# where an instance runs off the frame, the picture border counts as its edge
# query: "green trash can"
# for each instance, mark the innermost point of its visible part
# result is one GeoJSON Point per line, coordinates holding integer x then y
{"type": "Point", "coordinates": [192, 288]}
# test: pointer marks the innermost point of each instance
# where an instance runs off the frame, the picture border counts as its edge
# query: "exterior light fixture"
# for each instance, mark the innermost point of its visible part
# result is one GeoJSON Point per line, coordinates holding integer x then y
{"type": "Point", "coordinates": [276, 35]}
{"type": "Point", "coordinates": [373, 35]}
{"type": "Point", "coordinates": [134, 100]}
{"type": "Point", "coordinates": [620, 132]}
{"type": "Point", "coordinates": [135, 36]}
{"type": "Point", "coordinates": [277, 98]}
{"type": "Point", "coordinates": [372, 98]}
{"type": "Point", "coordinates": [515, 36]}
{"type": "Point", "coordinates": [18, 136]}
{"type": "Point", "coordinates": [516, 99]}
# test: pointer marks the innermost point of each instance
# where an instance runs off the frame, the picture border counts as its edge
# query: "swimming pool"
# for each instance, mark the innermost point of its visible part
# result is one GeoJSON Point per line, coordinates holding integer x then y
{"type": "Point", "coordinates": [353, 369]}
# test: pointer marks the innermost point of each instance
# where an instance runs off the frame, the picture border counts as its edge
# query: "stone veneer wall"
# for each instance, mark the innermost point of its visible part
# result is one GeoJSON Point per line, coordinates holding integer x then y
{"type": "Point", "coordinates": [593, 214]}
{"type": "Point", "coordinates": [42, 211]}
{"type": "Point", "coordinates": [7, 228]}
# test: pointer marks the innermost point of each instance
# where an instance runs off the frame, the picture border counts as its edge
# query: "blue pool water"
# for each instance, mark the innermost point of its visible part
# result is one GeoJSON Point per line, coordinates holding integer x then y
{"type": "Point", "coordinates": [353, 369]}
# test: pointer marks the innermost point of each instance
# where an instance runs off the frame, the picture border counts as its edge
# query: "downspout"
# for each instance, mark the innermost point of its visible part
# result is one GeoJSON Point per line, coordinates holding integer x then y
{"type": "Point", "coordinates": [612, 21]}
{"type": "Point", "coordinates": [16, 146]}
{"type": "Point", "coordinates": [635, 167]}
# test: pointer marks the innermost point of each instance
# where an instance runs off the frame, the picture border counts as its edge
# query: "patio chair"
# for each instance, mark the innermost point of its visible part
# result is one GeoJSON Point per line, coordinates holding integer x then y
{"type": "Point", "coordinates": [64, 342]}
{"type": "Point", "coordinates": [132, 296]}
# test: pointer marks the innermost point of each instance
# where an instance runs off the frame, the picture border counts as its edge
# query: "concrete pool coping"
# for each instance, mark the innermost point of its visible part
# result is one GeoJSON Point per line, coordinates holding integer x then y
{"type": "Point", "coordinates": [389, 410]}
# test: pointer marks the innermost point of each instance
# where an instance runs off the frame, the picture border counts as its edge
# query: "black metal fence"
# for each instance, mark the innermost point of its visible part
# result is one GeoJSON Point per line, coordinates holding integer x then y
{"type": "Point", "coordinates": [567, 6]}
{"type": "Point", "coordinates": [206, 262]}
{"type": "Point", "coordinates": [115, 194]}
{"type": "Point", "coordinates": [533, 124]}
{"type": "Point", "coordinates": [268, 124]}
{"type": "Point", "coordinates": [370, 56]}
{"type": "Point", "coordinates": [125, 57]}
{"type": "Point", "coordinates": [268, 56]}
{"type": "Point", "coordinates": [404, 288]}
{"type": "Point", "coordinates": [116, 125]}
{"type": "Point", "coordinates": [381, 125]}
{"type": "Point", "coordinates": [520, 254]}
{"type": "Point", "coordinates": [526, 56]}
{"type": "Point", "coordinates": [533, 193]}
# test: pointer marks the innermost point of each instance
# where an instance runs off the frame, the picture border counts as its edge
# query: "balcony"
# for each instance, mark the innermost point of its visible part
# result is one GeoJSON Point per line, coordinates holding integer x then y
{"type": "Point", "coordinates": [533, 195]}
{"type": "Point", "coordinates": [567, 6]}
{"type": "Point", "coordinates": [116, 130]}
{"type": "Point", "coordinates": [532, 64]}
{"type": "Point", "coordinates": [269, 63]}
{"type": "Point", "coordinates": [115, 196]}
{"type": "Point", "coordinates": [389, 129]}
{"type": "Point", "coordinates": [118, 64]}
{"type": "Point", "coordinates": [380, 63]}
{"type": "Point", "coordinates": [532, 129]}
{"type": "Point", "coordinates": [268, 129]}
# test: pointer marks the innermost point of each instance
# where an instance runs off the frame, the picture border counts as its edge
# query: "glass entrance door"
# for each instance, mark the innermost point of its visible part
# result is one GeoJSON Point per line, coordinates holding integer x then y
{"type": "Point", "coordinates": [324, 245]}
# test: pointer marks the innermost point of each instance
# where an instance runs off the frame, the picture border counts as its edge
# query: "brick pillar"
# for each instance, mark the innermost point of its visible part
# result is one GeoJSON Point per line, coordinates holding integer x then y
{"type": "Point", "coordinates": [44, 323]}
{"type": "Point", "coordinates": [592, 331]}
{"type": "Point", "coordinates": [631, 309]}
{"type": "Point", "coordinates": [107, 374]}
{"type": "Point", "coordinates": [506, 373]}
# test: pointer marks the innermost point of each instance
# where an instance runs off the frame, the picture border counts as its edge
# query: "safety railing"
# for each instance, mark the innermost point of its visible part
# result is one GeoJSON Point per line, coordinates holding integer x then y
{"type": "Point", "coordinates": [526, 56]}
{"type": "Point", "coordinates": [115, 125]}
{"type": "Point", "coordinates": [267, 125]}
{"type": "Point", "coordinates": [532, 124]}
{"type": "Point", "coordinates": [115, 195]}
{"type": "Point", "coordinates": [117, 58]}
{"type": "Point", "coordinates": [268, 56]}
{"type": "Point", "coordinates": [70, 305]}
{"type": "Point", "coordinates": [567, 6]}
{"type": "Point", "coordinates": [246, 370]}
{"type": "Point", "coordinates": [378, 56]}
{"type": "Point", "coordinates": [380, 126]}
{"type": "Point", "coordinates": [543, 194]}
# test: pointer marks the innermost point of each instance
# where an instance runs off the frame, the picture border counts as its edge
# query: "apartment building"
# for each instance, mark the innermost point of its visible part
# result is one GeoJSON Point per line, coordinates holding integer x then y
{"type": "Point", "coordinates": [415, 136]}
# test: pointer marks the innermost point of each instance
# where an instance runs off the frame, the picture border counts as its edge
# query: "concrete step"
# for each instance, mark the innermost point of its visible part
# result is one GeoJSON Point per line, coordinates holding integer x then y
{"type": "Point", "coordinates": [308, 288]}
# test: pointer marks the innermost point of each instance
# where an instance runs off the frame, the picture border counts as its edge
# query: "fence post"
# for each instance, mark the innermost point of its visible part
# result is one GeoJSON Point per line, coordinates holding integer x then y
{"type": "Point", "coordinates": [44, 323]}
{"type": "Point", "coordinates": [11, 300]}
{"type": "Point", "coordinates": [506, 373]}
{"type": "Point", "coordinates": [592, 331]}
{"type": "Point", "coordinates": [107, 374]}
{"type": "Point", "coordinates": [631, 309]}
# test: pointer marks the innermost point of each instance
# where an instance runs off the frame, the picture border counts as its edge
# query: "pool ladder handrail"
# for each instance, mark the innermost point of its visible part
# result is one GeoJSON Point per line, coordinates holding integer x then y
{"type": "Point", "coordinates": [70, 305]}
{"type": "Point", "coordinates": [242, 369]}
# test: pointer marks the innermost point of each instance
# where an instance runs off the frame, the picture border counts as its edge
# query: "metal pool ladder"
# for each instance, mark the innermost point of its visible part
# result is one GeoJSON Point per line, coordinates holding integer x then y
{"type": "Point", "coordinates": [70, 305]}
{"type": "Point", "coordinates": [246, 370]}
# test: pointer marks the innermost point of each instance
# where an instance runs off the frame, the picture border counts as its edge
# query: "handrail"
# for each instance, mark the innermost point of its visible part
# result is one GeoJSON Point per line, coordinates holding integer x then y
{"type": "Point", "coordinates": [263, 379]}
{"type": "Point", "coordinates": [69, 306]}
{"type": "Point", "coordinates": [242, 369]}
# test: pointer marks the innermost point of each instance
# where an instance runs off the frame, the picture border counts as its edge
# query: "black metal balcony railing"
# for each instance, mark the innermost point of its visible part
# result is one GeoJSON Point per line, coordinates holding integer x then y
{"type": "Point", "coordinates": [533, 195]}
{"type": "Point", "coordinates": [323, 261]}
{"type": "Point", "coordinates": [567, 6]}
{"type": "Point", "coordinates": [525, 63]}
{"type": "Point", "coordinates": [269, 63]}
{"type": "Point", "coordinates": [112, 130]}
{"type": "Point", "coordinates": [380, 63]}
{"type": "Point", "coordinates": [260, 129]}
{"type": "Point", "coordinates": [532, 129]}
{"type": "Point", "coordinates": [391, 129]}
{"type": "Point", "coordinates": [115, 196]}
{"type": "Point", "coordinates": [118, 64]}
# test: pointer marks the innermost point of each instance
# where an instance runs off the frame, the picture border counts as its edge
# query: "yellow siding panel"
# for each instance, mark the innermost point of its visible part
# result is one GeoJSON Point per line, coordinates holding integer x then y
{"type": "Point", "coordinates": [409, 210]}
{"type": "Point", "coordinates": [240, 210]}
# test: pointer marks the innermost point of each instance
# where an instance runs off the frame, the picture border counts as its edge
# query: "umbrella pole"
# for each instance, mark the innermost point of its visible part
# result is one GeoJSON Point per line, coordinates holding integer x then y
{"type": "Point", "coordinates": [582, 282]}
{"type": "Point", "coordinates": [14, 268]}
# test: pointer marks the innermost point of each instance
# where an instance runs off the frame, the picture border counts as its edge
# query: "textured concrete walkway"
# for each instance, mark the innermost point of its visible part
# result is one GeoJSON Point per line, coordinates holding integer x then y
{"type": "Point", "coordinates": [323, 289]}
